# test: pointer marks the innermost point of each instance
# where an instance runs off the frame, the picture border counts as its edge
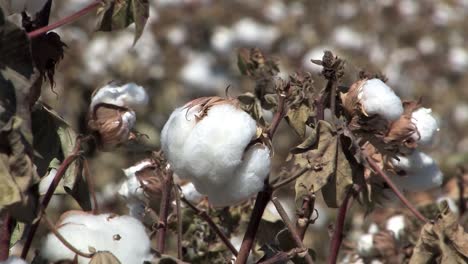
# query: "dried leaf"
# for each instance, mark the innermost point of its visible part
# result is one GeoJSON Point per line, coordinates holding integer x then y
{"type": "Point", "coordinates": [104, 257]}
{"type": "Point", "coordinates": [120, 14]}
{"type": "Point", "coordinates": [297, 118]}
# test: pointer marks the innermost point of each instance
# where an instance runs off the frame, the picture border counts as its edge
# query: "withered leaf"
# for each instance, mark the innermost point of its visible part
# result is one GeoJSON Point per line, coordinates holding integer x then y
{"type": "Point", "coordinates": [47, 51]}
{"type": "Point", "coordinates": [297, 118]}
{"type": "Point", "coordinates": [104, 257]}
{"type": "Point", "coordinates": [120, 14]}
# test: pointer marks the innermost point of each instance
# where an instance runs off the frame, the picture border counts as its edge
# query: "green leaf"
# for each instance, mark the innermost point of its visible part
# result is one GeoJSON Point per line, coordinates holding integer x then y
{"type": "Point", "coordinates": [120, 14]}
{"type": "Point", "coordinates": [297, 118]}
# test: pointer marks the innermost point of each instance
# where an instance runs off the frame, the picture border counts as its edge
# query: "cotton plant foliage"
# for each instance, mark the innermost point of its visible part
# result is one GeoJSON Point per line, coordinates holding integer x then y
{"type": "Point", "coordinates": [208, 142]}
{"type": "Point", "coordinates": [104, 232]}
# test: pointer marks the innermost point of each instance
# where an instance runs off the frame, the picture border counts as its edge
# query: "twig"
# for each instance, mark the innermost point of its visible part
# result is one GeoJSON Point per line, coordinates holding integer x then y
{"type": "Point", "coordinates": [203, 215]}
{"type": "Point", "coordinates": [392, 186]}
{"type": "Point", "coordinates": [261, 202]}
{"type": "Point", "coordinates": [338, 230]}
{"type": "Point", "coordinates": [6, 230]}
{"type": "Point", "coordinates": [280, 112]}
{"type": "Point", "coordinates": [59, 236]}
{"type": "Point", "coordinates": [90, 182]}
{"type": "Point", "coordinates": [292, 230]}
{"type": "Point", "coordinates": [65, 20]}
{"type": "Point", "coordinates": [282, 256]}
{"type": "Point", "coordinates": [303, 220]}
{"type": "Point", "coordinates": [164, 211]}
{"type": "Point", "coordinates": [45, 201]}
{"type": "Point", "coordinates": [179, 221]}
{"type": "Point", "coordinates": [291, 178]}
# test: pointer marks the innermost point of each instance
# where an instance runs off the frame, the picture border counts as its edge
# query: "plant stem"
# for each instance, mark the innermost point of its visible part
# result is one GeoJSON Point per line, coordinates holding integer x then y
{"type": "Point", "coordinates": [280, 112]}
{"type": "Point", "coordinates": [292, 230]}
{"type": "Point", "coordinates": [164, 211]}
{"type": "Point", "coordinates": [461, 193]}
{"type": "Point", "coordinates": [179, 222]}
{"type": "Point", "coordinates": [291, 178]}
{"type": "Point", "coordinates": [282, 256]}
{"type": "Point", "coordinates": [90, 182]}
{"type": "Point", "coordinates": [303, 220]}
{"type": "Point", "coordinates": [6, 230]}
{"type": "Point", "coordinates": [261, 202]}
{"type": "Point", "coordinates": [392, 186]}
{"type": "Point", "coordinates": [46, 199]}
{"type": "Point", "coordinates": [203, 215]}
{"type": "Point", "coordinates": [65, 20]}
{"type": "Point", "coordinates": [59, 236]}
{"type": "Point", "coordinates": [338, 231]}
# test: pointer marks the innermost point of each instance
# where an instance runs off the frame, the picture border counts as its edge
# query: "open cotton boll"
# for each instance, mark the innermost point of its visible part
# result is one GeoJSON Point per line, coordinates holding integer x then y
{"type": "Point", "coordinates": [420, 172]}
{"type": "Point", "coordinates": [215, 147]}
{"type": "Point", "coordinates": [104, 232]}
{"type": "Point", "coordinates": [426, 125]}
{"type": "Point", "coordinates": [13, 260]}
{"type": "Point", "coordinates": [131, 188]}
{"type": "Point", "coordinates": [247, 180]}
{"type": "Point", "coordinates": [128, 95]}
{"type": "Point", "coordinates": [379, 99]}
{"type": "Point", "coordinates": [365, 245]}
{"type": "Point", "coordinates": [396, 224]}
{"type": "Point", "coordinates": [247, 31]}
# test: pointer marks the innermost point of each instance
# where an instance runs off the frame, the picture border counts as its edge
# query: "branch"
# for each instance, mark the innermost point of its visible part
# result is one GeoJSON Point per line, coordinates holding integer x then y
{"type": "Point", "coordinates": [338, 231]}
{"type": "Point", "coordinates": [392, 186]}
{"type": "Point", "coordinates": [203, 215]}
{"type": "Point", "coordinates": [291, 178]}
{"type": "Point", "coordinates": [260, 204]}
{"type": "Point", "coordinates": [282, 256]}
{"type": "Point", "coordinates": [164, 211]}
{"type": "Point", "coordinates": [90, 182]}
{"type": "Point", "coordinates": [280, 112]}
{"type": "Point", "coordinates": [292, 229]}
{"type": "Point", "coordinates": [6, 230]}
{"type": "Point", "coordinates": [179, 222]}
{"type": "Point", "coordinates": [65, 20]}
{"type": "Point", "coordinates": [303, 220]}
{"type": "Point", "coordinates": [46, 199]}
{"type": "Point", "coordinates": [59, 236]}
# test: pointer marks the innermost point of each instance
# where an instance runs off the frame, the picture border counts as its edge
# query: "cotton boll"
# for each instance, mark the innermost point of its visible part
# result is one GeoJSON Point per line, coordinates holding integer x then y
{"type": "Point", "coordinates": [250, 32]}
{"type": "Point", "coordinates": [131, 188]}
{"type": "Point", "coordinates": [222, 39]}
{"type": "Point", "coordinates": [426, 124]}
{"type": "Point", "coordinates": [396, 224]}
{"type": "Point", "coordinates": [348, 38]}
{"type": "Point", "coordinates": [378, 98]}
{"type": "Point", "coordinates": [216, 144]}
{"type": "Point", "coordinates": [128, 95]}
{"type": "Point", "coordinates": [365, 245]}
{"type": "Point", "coordinates": [104, 232]}
{"type": "Point", "coordinates": [191, 194]}
{"type": "Point", "coordinates": [13, 260]}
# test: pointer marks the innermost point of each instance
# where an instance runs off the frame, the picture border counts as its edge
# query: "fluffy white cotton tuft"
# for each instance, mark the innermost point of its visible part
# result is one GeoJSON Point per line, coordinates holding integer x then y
{"type": "Point", "coordinates": [396, 224]}
{"type": "Point", "coordinates": [211, 152]}
{"type": "Point", "coordinates": [379, 99]}
{"type": "Point", "coordinates": [13, 260]}
{"type": "Point", "coordinates": [247, 31]}
{"type": "Point", "coordinates": [420, 172]}
{"type": "Point", "coordinates": [127, 95]}
{"type": "Point", "coordinates": [365, 245]}
{"type": "Point", "coordinates": [30, 6]}
{"type": "Point", "coordinates": [131, 188]}
{"type": "Point", "coordinates": [104, 232]}
{"type": "Point", "coordinates": [426, 124]}
{"type": "Point", "coordinates": [190, 193]}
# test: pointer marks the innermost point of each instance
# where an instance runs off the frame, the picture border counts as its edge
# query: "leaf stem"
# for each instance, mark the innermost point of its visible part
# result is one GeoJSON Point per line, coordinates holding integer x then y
{"type": "Point", "coordinates": [290, 179]}
{"type": "Point", "coordinates": [164, 211]}
{"type": "Point", "coordinates": [392, 186]}
{"type": "Point", "coordinates": [66, 20]}
{"type": "Point", "coordinates": [261, 202]}
{"type": "Point", "coordinates": [282, 256]}
{"type": "Point", "coordinates": [280, 112]}
{"type": "Point", "coordinates": [6, 230]}
{"type": "Point", "coordinates": [46, 199]}
{"type": "Point", "coordinates": [292, 230]}
{"type": "Point", "coordinates": [203, 215]}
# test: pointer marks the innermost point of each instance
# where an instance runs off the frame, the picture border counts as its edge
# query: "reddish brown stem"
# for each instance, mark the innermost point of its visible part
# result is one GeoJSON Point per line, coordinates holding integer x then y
{"type": "Point", "coordinates": [65, 20]}
{"type": "Point", "coordinates": [303, 221]}
{"type": "Point", "coordinates": [203, 215]}
{"type": "Point", "coordinates": [164, 212]}
{"type": "Point", "coordinates": [392, 186]}
{"type": "Point", "coordinates": [45, 201]}
{"type": "Point", "coordinates": [90, 182]}
{"type": "Point", "coordinates": [6, 229]}
{"type": "Point", "coordinates": [337, 238]}
{"type": "Point", "coordinates": [261, 202]}
{"type": "Point", "coordinates": [280, 112]}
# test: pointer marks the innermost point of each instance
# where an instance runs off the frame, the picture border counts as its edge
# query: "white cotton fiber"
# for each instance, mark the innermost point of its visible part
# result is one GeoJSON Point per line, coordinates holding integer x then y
{"type": "Point", "coordinates": [379, 99]}
{"type": "Point", "coordinates": [131, 188]}
{"type": "Point", "coordinates": [117, 234]}
{"type": "Point", "coordinates": [426, 125]}
{"type": "Point", "coordinates": [190, 193]}
{"type": "Point", "coordinates": [421, 172]}
{"type": "Point", "coordinates": [13, 260]}
{"type": "Point", "coordinates": [365, 245]}
{"type": "Point", "coordinates": [127, 95]}
{"type": "Point", "coordinates": [210, 151]}
{"type": "Point", "coordinates": [396, 224]}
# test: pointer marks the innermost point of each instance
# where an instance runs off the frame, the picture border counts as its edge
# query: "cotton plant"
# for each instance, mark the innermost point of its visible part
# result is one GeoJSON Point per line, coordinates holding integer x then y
{"type": "Point", "coordinates": [211, 142]}
{"type": "Point", "coordinates": [104, 232]}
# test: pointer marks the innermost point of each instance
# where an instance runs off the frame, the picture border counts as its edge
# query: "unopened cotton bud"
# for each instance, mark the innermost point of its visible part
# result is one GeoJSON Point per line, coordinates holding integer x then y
{"type": "Point", "coordinates": [83, 231]}
{"type": "Point", "coordinates": [416, 172]}
{"type": "Point", "coordinates": [208, 143]}
{"type": "Point", "coordinates": [426, 125]}
{"type": "Point", "coordinates": [112, 115]}
{"type": "Point", "coordinates": [396, 224]}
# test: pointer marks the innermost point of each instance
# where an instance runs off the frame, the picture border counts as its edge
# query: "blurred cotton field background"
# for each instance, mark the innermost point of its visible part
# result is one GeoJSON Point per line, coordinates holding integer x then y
{"type": "Point", "coordinates": [189, 49]}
